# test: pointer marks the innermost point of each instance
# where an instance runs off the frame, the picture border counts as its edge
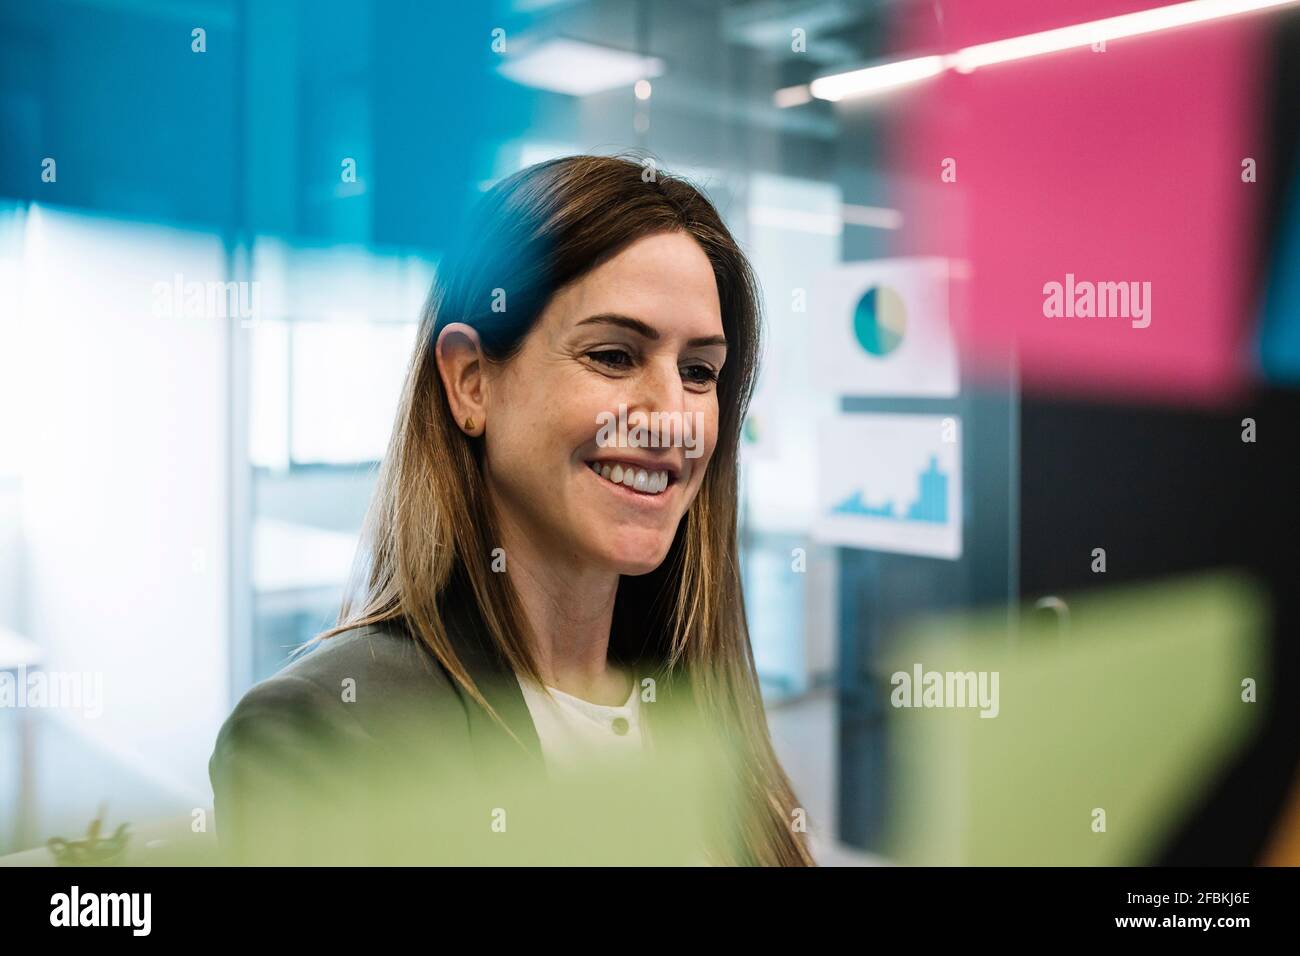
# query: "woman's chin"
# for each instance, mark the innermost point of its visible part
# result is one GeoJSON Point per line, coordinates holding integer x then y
{"type": "Point", "coordinates": [636, 554]}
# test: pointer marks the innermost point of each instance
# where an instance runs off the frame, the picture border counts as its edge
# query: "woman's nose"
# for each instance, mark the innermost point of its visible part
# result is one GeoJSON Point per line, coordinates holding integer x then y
{"type": "Point", "coordinates": [658, 389]}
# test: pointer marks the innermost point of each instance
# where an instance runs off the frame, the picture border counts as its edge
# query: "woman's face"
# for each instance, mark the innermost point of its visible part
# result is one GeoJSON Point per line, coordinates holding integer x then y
{"type": "Point", "coordinates": [642, 331]}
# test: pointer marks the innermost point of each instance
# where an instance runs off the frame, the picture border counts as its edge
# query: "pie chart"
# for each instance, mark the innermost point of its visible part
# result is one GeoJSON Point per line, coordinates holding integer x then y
{"type": "Point", "coordinates": [880, 320]}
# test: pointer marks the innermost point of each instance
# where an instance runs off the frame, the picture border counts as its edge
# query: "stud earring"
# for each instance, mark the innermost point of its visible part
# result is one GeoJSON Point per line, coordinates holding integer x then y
{"type": "Point", "coordinates": [469, 424]}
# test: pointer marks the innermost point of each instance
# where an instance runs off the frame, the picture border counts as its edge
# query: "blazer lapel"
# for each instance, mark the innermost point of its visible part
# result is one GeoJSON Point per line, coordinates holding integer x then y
{"type": "Point", "coordinates": [497, 683]}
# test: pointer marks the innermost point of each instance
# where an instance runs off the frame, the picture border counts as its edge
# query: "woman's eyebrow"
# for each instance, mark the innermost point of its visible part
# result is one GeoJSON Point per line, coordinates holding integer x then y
{"type": "Point", "coordinates": [647, 331]}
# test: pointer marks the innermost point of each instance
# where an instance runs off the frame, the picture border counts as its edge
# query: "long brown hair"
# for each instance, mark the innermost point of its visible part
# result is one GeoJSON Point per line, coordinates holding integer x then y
{"type": "Point", "coordinates": [431, 524]}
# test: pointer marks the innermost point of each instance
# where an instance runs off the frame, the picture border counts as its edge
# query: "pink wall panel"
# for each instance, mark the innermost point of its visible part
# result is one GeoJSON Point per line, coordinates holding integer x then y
{"type": "Point", "coordinates": [1115, 166]}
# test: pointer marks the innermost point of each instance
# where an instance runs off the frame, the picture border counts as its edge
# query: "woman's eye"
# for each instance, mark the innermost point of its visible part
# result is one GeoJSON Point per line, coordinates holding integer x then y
{"type": "Point", "coordinates": [699, 374]}
{"type": "Point", "coordinates": [611, 358]}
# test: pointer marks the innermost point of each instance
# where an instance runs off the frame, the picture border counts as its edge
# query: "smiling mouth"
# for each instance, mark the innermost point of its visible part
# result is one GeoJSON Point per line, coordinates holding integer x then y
{"type": "Point", "coordinates": [641, 480]}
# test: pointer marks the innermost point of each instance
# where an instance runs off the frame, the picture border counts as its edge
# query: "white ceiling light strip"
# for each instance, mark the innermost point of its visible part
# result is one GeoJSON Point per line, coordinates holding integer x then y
{"type": "Point", "coordinates": [887, 76]}
{"type": "Point", "coordinates": [877, 79]}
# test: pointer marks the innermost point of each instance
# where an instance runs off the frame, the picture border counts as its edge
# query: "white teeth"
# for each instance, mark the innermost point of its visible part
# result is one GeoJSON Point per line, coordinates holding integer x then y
{"type": "Point", "coordinates": [638, 479]}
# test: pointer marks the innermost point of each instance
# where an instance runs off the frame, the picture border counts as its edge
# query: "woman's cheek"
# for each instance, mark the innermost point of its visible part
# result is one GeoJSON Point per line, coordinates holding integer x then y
{"type": "Point", "coordinates": [711, 429]}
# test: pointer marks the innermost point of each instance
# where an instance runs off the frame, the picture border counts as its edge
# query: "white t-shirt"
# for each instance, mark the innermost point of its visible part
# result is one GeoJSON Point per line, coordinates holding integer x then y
{"type": "Point", "coordinates": [572, 729]}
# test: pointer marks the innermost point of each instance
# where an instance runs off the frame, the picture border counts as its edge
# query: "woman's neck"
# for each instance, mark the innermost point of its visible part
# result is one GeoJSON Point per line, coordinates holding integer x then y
{"type": "Point", "coordinates": [569, 607]}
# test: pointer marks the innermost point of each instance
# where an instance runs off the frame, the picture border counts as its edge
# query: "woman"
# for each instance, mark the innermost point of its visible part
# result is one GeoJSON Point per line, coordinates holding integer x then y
{"type": "Point", "coordinates": [526, 577]}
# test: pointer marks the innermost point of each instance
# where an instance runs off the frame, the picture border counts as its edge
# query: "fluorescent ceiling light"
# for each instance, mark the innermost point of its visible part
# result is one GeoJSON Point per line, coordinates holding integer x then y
{"type": "Point", "coordinates": [576, 68]}
{"type": "Point", "coordinates": [871, 217]}
{"type": "Point", "coordinates": [792, 96]}
{"type": "Point", "coordinates": [876, 79]}
{"type": "Point", "coordinates": [1111, 28]}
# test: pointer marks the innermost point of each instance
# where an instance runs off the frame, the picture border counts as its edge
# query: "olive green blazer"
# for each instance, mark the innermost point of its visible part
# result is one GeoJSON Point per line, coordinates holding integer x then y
{"type": "Point", "coordinates": [339, 754]}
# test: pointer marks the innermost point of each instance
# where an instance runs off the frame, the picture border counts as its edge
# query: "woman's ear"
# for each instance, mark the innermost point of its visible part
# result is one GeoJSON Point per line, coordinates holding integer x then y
{"type": "Point", "coordinates": [460, 364]}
